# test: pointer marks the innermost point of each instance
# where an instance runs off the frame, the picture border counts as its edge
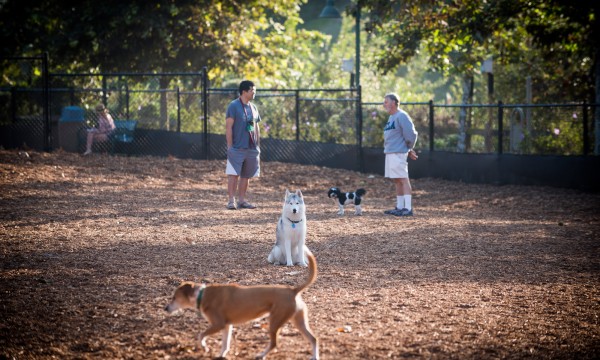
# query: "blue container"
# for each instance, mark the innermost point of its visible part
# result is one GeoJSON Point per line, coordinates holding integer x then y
{"type": "Point", "coordinates": [72, 114]}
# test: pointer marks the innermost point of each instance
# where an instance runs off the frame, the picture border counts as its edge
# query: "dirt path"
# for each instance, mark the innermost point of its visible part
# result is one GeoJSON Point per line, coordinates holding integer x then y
{"type": "Point", "coordinates": [91, 250]}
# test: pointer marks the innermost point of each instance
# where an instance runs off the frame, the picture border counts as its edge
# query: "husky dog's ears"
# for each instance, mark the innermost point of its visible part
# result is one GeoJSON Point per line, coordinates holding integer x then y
{"type": "Point", "coordinates": [298, 193]}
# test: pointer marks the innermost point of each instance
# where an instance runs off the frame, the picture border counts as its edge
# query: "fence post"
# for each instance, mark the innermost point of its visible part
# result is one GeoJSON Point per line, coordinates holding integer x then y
{"type": "Point", "coordinates": [72, 96]}
{"type": "Point", "coordinates": [359, 124]}
{"type": "Point", "coordinates": [104, 90]}
{"type": "Point", "coordinates": [205, 110]}
{"type": "Point", "coordinates": [178, 111]}
{"type": "Point", "coordinates": [297, 115]}
{"type": "Point", "coordinates": [13, 104]}
{"type": "Point", "coordinates": [586, 144]}
{"type": "Point", "coordinates": [500, 128]}
{"type": "Point", "coordinates": [127, 101]}
{"type": "Point", "coordinates": [45, 79]}
{"type": "Point", "coordinates": [120, 90]}
{"type": "Point", "coordinates": [431, 122]}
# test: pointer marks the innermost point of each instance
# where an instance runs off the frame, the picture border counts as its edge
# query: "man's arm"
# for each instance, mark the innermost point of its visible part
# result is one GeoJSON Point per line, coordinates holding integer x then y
{"type": "Point", "coordinates": [257, 129]}
{"type": "Point", "coordinates": [410, 135]}
{"type": "Point", "coordinates": [229, 131]}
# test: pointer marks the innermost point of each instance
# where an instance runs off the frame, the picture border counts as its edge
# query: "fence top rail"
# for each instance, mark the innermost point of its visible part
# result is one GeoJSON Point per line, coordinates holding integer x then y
{"type": "Point", "coordinates": [280, 90]}
{"type": "Point", "coordinates": [401, 103]}
{"type": "Point", "coordinates": [547, 105]}
{"type": "Point", "coordinates": [329, 99]}
{"type": "Point", "coordinates": [259, 95]}
{"type": "Point", "coordinates": [511, 105]}
{"type": "Point", "coordinates": [125, 74]}
{"type": "Point", "coordinates": [38, 57]}
{"type": "Point", "coordinates": [263, 94]}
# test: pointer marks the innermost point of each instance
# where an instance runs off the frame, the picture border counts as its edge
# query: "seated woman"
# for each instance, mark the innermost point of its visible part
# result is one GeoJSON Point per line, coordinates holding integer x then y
{"type": "Point", "coordinates": [106, 126]}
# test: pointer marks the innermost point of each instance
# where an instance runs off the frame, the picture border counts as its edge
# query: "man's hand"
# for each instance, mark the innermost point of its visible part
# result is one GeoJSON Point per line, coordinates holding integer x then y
{"type": "Point", "coordinates": [413, 154]}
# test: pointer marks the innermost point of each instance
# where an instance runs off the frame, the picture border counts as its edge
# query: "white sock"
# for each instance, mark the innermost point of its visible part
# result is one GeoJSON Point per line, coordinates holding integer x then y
{"type": "Point", "coordinates": [408, 201]}
{"type": "Point", "coordinates": [400, 202]}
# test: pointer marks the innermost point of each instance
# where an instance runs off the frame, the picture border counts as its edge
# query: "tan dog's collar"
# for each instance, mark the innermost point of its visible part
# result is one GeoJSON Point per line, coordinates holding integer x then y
{"type": "Point", "coordinates": [199, 297]}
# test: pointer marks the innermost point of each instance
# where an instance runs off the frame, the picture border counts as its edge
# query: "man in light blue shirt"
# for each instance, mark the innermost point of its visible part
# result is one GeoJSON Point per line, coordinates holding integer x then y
{"type": "Point", "coordinates": [399, 139]}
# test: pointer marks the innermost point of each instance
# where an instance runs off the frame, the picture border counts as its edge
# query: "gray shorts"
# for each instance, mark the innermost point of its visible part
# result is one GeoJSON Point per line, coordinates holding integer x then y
{"type": "Point", "coordinates": [243, 162]}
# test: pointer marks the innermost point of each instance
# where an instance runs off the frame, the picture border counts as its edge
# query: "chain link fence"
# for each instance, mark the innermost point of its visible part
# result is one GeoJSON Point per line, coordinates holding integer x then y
{"type": "Point", "coordinates": [178, 114]}
{"type": "Point", "coordinates": [24, 120]}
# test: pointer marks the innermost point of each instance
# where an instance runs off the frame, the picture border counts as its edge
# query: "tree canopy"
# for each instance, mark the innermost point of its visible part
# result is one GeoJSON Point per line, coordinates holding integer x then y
{"type": "Point", "coordinates": [250, 36]}
{"type": "Point", "coordinates": [458, 35]}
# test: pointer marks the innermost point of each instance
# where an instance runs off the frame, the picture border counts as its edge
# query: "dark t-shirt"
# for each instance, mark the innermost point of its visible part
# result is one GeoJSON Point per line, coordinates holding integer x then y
{"type": "Point", "coordinates": [240, 134]}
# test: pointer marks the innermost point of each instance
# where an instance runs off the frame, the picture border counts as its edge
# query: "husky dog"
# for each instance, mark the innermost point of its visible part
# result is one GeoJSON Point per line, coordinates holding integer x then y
{"type": "Point", "coordinates": [347, 198]}
{"type": "Point", "coordinates": [290, 237]}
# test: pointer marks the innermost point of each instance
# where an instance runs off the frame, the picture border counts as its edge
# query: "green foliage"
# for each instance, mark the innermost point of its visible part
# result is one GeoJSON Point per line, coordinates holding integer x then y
{"type": "Point", "coordinates": [418, 49]}
{"type": "Point", "coordinates": [553, 42]}
{"type": "Point", "coordinates": [164, 36]}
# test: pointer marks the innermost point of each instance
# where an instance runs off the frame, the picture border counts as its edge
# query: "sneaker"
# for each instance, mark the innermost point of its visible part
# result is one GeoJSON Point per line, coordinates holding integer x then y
{"type": "Point", "coordinates": [397, 212]}
{"type": "Point", "coordinates": [231, 206]}
{"type": "Point", "coordinates": [246, 205]}
{"type": "Point", "coordinates": [88, 152]}
{"type": "Point", "coordinates": [405, 212]}
{"type": "Point", "coordinates": [390, 212]}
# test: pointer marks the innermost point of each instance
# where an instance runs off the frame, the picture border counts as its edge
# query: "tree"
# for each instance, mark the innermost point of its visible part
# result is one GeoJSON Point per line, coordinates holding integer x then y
{"type": "Point", "coordinates": [149, 36]}
{"type": "Point", "coordinates": [568, 33]}
{"type": "Point", "coordinates": [245, 37]}
{"type": "Point", "coordinates": [459, 35]}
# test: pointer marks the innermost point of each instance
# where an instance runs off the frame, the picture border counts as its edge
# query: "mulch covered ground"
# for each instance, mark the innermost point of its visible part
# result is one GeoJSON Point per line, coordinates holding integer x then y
{"type": "Point", "coordinates": [91, 250]}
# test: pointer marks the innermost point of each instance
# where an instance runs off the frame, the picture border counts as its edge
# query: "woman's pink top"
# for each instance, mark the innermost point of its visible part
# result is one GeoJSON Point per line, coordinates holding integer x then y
{"type": "Point", "coordinates": [106, 124]}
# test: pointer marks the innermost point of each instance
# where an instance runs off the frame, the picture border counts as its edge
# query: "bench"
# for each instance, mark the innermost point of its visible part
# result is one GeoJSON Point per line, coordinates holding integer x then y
{"type": "Point", "coordinates": [124, 133]}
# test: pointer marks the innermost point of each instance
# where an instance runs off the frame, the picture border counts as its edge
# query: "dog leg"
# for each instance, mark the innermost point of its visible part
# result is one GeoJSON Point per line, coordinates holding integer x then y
{"type": "Point", "coordinates": [358, 210]}
{"type": "Point", "coordinates": [277, 319]}
{"type": "Point", "coordinates": [341, 211]}
{"type": "Point", "coordinates": [212, 329]}
{"type": "Point", "coordinates": [275, 256]}
{"type": "Point", "coordinates": [226, 340]}
{"type": "Point", "coordinates": [300, 320]}
{"type": "Point", "coordinates": [288, 252]}
{"type": "Point", "coordinates": [301, 252]}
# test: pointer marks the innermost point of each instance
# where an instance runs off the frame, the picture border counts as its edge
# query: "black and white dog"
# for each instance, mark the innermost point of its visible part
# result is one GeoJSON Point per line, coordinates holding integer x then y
{"type": "Point", "coordinates": [347, 198]}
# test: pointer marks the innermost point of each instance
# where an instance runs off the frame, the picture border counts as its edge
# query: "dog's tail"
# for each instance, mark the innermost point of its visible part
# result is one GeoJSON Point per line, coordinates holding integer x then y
{"type": "Point", "coordinates": [312, 273]}
{"type": "Point", "coordinates": [360, 192]}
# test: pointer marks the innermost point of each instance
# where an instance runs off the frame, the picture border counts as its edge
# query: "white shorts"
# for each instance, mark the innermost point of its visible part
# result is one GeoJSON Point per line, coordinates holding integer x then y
{"type": "Point", "coordinates": [396, 165]}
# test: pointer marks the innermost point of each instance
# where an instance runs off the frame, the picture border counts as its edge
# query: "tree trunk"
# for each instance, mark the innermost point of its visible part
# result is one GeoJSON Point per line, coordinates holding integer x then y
{"type": "Point", "coordinates": [490, 113]}
{"type": "Point", "coordinates": [164, 116]}
{"type": "Point", "coordinates": [469, 116]}
{"type": "Point", "coordinates": [462, 119]}
{"type": "Point", "coordinates": [597, 107]}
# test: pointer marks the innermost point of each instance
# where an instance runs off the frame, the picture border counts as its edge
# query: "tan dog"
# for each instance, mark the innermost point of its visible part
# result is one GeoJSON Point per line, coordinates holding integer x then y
{"type": "Point", "coordinates": [225, 305]}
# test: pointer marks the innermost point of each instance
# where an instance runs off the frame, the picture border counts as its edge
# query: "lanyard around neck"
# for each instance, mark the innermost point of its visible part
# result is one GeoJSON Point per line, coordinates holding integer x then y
{"type": "Point", "coordinates": [251, 133]}
{"type": "Point", "coordinates": [244, 108]}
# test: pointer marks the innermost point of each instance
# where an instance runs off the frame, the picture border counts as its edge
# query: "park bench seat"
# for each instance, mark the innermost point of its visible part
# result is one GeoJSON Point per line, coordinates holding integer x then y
{"type": "Point", "coordinates": [124, 132]}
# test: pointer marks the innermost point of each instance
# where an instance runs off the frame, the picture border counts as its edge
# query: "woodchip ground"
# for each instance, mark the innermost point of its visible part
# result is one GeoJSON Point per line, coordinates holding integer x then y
{"type": "Point", "coordinates": [92, 248]}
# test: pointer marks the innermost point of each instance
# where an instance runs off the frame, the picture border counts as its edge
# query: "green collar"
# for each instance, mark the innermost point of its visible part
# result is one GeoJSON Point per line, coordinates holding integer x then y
{"type": "Point", "coordinates": [199, 298]}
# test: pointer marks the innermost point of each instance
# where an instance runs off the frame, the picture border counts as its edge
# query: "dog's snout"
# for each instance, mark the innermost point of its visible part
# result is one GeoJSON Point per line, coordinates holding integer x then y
{"type": "Point", "coordinates": [295, 211]}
